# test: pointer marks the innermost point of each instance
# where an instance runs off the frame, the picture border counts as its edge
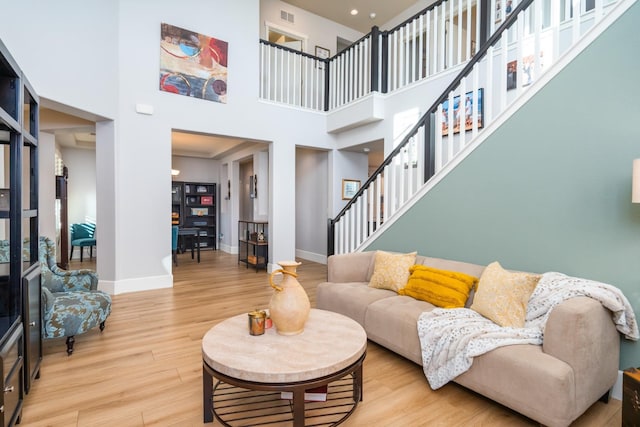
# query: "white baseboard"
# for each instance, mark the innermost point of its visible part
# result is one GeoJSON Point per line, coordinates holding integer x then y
{"type": "Point", "coordinates": [228, 248]}
{"type": "Point", "coordinates": [311, 256]}
{"type": "Point", "coordinates": [135, 285]}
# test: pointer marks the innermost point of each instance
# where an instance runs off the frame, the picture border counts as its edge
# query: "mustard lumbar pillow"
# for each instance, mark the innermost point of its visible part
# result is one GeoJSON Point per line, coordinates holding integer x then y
{"type": "Point", "coordinates": [391, 271]}
{"type": "Point", "coordinates": [442, 288]}
{"type": "Point", "coordinates": [502, 296]}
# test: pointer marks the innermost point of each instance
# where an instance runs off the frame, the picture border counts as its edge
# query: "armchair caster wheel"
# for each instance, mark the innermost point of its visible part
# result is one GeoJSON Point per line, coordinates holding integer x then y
{"type": "Point", "coordinates": [70, 341]}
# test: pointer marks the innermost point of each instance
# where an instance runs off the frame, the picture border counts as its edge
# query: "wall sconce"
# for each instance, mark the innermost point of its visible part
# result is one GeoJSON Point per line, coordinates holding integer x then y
{"type": "Point", "coordinates": [635, 183]}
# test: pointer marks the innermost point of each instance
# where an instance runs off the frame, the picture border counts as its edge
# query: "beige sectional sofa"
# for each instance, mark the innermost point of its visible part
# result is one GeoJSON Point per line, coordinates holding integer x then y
{"type": "Point", "coordinates": [553, 383]}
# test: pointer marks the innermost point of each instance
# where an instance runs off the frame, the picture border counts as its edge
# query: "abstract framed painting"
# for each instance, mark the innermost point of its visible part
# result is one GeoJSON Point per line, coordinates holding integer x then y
{"type": "Point", "coordinates": [193, 64]}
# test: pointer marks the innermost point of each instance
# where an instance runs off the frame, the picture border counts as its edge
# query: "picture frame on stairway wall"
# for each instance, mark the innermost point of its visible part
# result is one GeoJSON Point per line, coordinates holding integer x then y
{"type": "Point", "coordinates": [463, 109]}
{"type": "Point", "coordinates": [512, 75]}
{"type": "Point", "coordinates": [508, 6]}
{"type": "Point", "coordinates": [322, 53]}
{"type": "Point", "coordinates": [349, 188]}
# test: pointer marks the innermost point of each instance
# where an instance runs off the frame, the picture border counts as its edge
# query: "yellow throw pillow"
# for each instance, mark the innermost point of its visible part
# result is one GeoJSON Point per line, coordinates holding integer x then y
{"type": "Point", "coordinates": [442, 288]}
{"type": "Point", "coordinates": [502, 296]}
{"type": "Point", "coordinates": [391, 271]}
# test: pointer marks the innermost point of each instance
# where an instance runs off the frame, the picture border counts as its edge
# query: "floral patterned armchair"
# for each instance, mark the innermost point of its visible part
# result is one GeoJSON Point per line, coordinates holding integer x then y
{"type": "Point", "coordinates": [71, 301]}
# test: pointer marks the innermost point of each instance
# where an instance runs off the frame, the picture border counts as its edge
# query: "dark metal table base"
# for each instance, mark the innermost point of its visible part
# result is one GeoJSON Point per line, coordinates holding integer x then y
{"type": "Point", "coordinates": [237, 403]}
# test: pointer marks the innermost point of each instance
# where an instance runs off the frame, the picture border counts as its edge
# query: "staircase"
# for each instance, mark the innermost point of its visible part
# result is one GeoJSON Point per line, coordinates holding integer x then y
{"type": "Point", "coordinates": [529, 44]}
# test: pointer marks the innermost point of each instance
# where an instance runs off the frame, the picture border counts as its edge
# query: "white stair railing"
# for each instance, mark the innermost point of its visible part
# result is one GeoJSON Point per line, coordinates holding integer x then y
{"type": "Point", "coordinates": [442, 36]}
{"type": "Point", "coordinates": [526, 43]}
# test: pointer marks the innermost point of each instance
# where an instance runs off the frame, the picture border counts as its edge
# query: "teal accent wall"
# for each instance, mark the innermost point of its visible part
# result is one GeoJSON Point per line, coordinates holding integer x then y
{"type": "Point", "coordinates": [550, 190]}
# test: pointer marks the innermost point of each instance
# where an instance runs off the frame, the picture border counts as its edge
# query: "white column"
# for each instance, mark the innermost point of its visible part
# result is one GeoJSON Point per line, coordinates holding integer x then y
{"type": "Point", "coordinates": [106, 204]}
{"type": "Point", "coordinates": [282, 209]}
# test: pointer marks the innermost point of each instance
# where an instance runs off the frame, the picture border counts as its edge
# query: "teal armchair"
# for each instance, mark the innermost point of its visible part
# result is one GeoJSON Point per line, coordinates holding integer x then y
{"type": "Point", "coordinates": [83, 235]}
{"type": "Point", "coordinates": [71, 301]}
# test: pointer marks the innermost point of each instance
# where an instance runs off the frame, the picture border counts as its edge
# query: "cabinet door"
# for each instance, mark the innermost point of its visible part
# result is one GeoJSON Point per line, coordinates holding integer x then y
{"type": "Point", "coordinates": [32, 325]}
{"type": "Point", "coordinates": [11, 384]}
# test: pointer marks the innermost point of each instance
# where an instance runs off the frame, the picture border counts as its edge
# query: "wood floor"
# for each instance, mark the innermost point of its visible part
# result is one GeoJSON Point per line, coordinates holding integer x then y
{"type": "Point", "coordinates": [145, 369]}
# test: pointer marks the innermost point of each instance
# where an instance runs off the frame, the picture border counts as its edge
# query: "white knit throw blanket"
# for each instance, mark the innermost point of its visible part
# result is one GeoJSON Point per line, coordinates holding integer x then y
{"type": "Point", "coordinates": [451, 338]}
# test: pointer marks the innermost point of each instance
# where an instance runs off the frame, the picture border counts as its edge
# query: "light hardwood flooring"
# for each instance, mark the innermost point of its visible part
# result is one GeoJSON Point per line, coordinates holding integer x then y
{"type": "Point", "coordinates": [145, 369]}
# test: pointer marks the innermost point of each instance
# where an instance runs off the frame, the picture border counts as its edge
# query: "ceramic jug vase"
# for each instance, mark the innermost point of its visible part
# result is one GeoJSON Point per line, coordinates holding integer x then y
{"type": "Point", "coordinates": [289, 307]}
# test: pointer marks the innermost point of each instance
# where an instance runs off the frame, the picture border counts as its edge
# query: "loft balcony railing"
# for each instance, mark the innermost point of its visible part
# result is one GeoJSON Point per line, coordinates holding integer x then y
{"type": "Point", "coordinates": [444, 35]}
{"type": "Point", "coordinates": [527, 40]}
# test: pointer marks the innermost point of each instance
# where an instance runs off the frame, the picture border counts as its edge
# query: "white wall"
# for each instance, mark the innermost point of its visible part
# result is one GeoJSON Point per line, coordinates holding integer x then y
{"type": "Point", "coordinates": [346, 165]}
{"type": "Point", "coordinates": [261, 174]}
{"type": "Point", "coordinates": [46, 185]}
{"type": "Point", "coordinates": [81, 184]}
{"type": "Point", "coordinates": [193, 169]}
{"type": "Point", "coordinates": [67, 50]}
{"type": "Point", "coordinates": [134, 150]}
{"type": "Point", "coordinates": [244, 184]}
{"type": "Point", "coordinates": [311, 204]}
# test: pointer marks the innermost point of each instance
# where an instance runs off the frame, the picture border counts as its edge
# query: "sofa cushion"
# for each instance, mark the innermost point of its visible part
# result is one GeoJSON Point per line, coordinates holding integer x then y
{"type": "Point", "coordinates": [351, 267]}
{"type": "Point", "coordinates": [393, 323]}
{"type": "Point", "coordinates": [442, 288]}
{"type": "Point", "coordinates": [391, 271]}
{"type": "Point", "coordinates": [350, 299]}
{"type": "Point", "coordinates": [502, 296]}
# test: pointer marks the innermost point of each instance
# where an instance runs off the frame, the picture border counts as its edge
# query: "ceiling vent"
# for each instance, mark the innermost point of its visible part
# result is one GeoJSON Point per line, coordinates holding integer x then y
{"type": "Point", "coordinates": [286, 16]}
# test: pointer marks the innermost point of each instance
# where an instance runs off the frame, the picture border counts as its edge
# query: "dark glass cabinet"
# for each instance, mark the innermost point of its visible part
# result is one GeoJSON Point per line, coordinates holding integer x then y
{"type": "Point", "coordinates": [20, 286]}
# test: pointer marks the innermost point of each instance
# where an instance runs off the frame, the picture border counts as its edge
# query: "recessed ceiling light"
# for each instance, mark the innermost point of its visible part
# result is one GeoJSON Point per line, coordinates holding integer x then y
{"type": "Point", "coordinates": [372, 15]}
{"type": "Point", "coordinates": [354, 12]}
{"type": "Point", "coordinates": [366, 149]}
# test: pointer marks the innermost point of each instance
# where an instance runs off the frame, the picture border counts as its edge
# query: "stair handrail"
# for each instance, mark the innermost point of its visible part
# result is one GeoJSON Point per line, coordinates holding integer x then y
{"type": "Point", "coordinates": [426, 117]}
{"type": "Point", "coordinates": [294, 51]}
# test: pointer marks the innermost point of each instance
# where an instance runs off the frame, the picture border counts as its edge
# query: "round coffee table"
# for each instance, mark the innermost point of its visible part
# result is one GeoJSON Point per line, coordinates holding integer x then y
{"type": "Point", "coordinates": [332, 347]}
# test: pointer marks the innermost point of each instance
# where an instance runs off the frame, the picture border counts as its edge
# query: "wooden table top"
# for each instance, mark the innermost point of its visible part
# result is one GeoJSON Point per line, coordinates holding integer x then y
{"type": "Point", "coordinates": [329, 342]}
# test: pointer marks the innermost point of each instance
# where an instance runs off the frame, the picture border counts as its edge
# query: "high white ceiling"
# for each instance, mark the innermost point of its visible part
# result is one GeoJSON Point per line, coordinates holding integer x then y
{"type": "Point", "coordinates": [192, 144]}
{"type": "Point", "coordinates": [340, 11]}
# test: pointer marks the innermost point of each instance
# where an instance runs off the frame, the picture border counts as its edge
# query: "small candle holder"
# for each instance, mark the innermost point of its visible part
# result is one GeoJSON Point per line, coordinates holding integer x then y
{"type": "Point", "coordinates": [257, 320]}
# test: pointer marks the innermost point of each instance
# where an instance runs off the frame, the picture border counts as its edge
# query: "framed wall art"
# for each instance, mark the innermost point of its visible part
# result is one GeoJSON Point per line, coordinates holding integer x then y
{"type": "Point", "coordinates": [349, 188]}
{"type": "Point", "coordinates": [512, 75]}
{"type": "Point", "coordinates": [463, 111]}
{"type": "Point", "coordinates": [193, 64]}
{"type": "Point", "coordinates": [322, 53]}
